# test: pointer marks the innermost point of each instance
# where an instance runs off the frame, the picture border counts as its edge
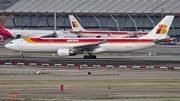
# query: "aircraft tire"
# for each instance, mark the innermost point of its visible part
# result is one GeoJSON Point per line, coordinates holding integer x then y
{"type": "Point", "coordinates": [94, 57]}
{"type": "Point", "coordinates": [89, 57]}
{"type": "Point", "coordinates": [85, 57]}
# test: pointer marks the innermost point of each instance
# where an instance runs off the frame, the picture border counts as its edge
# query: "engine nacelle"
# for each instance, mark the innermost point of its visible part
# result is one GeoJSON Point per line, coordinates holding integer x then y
{"type": "Point", "coordinates": [18, 36]}
{"type": "Point", "coordinates": [65, 52]}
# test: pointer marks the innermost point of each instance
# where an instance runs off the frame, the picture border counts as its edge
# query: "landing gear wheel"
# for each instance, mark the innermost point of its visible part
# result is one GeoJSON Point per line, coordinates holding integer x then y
{"type": "Point", "coordinates": [85, 57]}
{"type": "Point", "coordinates": [22, 56]}
{"type": "Point", "coordinates": [89, 57]}
{"type": "Point", "coordinates": [94, 57]}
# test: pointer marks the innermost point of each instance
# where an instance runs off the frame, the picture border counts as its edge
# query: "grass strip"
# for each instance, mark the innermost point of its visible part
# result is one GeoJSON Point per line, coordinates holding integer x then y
{"type": "Point", "coordinates": [90, 84]}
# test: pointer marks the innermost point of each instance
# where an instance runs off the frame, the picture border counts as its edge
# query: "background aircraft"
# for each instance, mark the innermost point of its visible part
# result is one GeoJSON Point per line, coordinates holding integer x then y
{"type": "Point", "coordinates": [81, 32]}
{"type": "Point", "coordinates": [89, 46]}
{"type": "Point", "coordinates": [15, 33]}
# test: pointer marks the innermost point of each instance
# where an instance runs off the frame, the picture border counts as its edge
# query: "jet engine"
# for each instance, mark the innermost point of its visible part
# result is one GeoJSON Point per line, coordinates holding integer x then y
{"type": "Point", "coordinates": [65, 52]}
{"type": "Point", "coordinates": [18, 36]}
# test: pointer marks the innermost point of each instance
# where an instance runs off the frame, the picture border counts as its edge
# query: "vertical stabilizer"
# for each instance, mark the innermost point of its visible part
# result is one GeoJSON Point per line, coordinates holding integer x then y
{"type": "Point", "coordinates": [1, 27]}
{"type": "Point", "coordinates": [75, 24]}
{"type": "Point", "coordinates": [4, 32]}
{"type": "Point", "coordinates": [161, 29]}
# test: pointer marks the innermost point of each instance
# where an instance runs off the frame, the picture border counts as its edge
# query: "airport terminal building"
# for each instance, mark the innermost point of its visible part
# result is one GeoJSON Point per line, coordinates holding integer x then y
{"type": "Point", "coordinates": [117, 15]}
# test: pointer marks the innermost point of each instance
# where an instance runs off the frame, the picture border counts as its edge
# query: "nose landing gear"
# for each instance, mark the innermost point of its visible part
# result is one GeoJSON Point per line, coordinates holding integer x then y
{"type": "Point", "coordinates": [21, 55]}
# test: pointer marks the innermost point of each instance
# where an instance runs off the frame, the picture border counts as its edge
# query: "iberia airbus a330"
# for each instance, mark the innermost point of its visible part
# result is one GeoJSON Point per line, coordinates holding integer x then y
{"type": "Point", "coordinates": [90, 46]}
{"type": "Point", "coordinates": [81, 32]}
{"type": "Point", "coordinates": [16, 33]}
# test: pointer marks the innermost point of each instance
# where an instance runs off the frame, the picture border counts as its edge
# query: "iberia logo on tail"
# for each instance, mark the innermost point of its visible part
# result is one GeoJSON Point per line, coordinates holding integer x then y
{"type": "Point", "coordinates": [75, 24]}
{"type": "Point", "coordinates": [162, 29]}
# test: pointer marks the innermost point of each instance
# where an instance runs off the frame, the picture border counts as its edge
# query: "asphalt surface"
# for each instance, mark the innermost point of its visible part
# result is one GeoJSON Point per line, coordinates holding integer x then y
{"type": "Point", "coordinates": [75, 74]}
{"type": "Point", "coordinates": [96, 74]}
{"type": "Point", "coordinates": [171, 58]}
{"type": "Point", "coordinates": [108, 60]}
{"type": "Point", "coordinates": [80, 93]}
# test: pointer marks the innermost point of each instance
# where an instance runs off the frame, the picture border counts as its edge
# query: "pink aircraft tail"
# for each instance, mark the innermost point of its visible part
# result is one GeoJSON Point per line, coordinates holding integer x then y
{"type": "Point", "coordinates": [1, 27]}
{"type": "Point", "coordinates": [4, 32]}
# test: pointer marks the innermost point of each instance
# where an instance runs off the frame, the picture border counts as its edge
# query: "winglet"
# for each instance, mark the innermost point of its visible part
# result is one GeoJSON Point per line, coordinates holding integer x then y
{"type": "Point", "coordinates": [53, 35]}
{"type": "Point", "coordinates": [104, 41]}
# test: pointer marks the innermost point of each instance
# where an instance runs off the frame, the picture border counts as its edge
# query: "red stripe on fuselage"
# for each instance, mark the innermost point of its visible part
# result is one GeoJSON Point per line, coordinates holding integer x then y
{"type": "Point", "coordinates": [82, 40]}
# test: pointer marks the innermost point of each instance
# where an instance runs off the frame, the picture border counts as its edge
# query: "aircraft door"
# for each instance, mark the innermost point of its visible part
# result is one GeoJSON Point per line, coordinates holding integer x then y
{"type": "Point", "coordinates": [19, 43]}
{"type": "Point", "coordinates": [17, 35]}
{"type": "Point", "coordinates": [139, 42]}
{"type": "Point", "coordinates": [50, 43]}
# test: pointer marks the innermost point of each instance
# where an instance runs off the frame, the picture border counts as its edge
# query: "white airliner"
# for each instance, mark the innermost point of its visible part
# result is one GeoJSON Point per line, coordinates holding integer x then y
{"type": "Point", "coordinates": [89, 46]}
{"type": "Point", "coordinates": [81, 32]}
{"type": "Point", "coordinates": [16, 33]}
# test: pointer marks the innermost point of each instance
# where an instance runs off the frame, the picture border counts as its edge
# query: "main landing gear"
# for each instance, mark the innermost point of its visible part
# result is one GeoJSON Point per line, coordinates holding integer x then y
{"type": "Point", "coordinates": [90, 56]}
{"type": "Point", "coordinates": [21, 55]}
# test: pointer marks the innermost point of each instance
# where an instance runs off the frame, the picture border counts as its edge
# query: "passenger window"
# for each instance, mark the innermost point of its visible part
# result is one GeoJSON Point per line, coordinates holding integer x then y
{"type": "Point", "coordinates": [10, 42]}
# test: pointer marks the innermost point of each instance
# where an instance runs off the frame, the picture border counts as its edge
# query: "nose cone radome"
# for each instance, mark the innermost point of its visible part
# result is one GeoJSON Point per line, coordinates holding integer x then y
{"type": "Point", "coordinates": [6, 46]}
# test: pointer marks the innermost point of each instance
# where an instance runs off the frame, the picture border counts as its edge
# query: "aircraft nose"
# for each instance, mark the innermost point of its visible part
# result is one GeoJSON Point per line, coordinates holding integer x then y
{"type": "Point", "coordinates": [10, 45]}
{"type": "Point", "coordinates": [6, 46]}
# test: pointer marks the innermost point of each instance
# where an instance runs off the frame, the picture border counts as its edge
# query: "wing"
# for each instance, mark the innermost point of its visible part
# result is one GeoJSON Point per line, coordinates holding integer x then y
{"type": "Point", "coordinates": [53, 35]}
{"type": "Point", "coordinates": [78, 33]}
{"type": "Point", "coordinates": [88, 47]}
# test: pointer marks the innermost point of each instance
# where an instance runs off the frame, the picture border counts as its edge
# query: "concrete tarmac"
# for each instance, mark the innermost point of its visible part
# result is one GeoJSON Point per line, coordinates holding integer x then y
{"type": "Point", "coordinates": [96, 74]}
{"type": "Point", "coordinates": [72, 73]}
{"type": "Point", "coordinates": [92, 92]}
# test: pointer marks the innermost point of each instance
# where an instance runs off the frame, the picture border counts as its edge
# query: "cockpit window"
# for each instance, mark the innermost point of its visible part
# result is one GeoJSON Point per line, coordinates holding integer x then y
{"type": "Point", "coordinates": [10, 42]}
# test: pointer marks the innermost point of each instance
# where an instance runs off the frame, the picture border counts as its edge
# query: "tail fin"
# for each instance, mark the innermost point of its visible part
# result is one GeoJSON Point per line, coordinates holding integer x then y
{"type": "Point", "coordinates": [161, 29]}
{"type": "Point", "coordinates": [4, 32]}
{"type": "Point", "coordinates": [1, 28]}
{"type": "Point", "coordinates": [75, 24]}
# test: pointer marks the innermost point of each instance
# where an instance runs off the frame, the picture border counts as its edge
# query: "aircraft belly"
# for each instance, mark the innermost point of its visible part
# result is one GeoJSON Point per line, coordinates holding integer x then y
{"type": "Point", "coordinates": [124, 47]}
{"type": "Point", "coordinates": [43, 48]}
{"type": "Point", "coordinates": [38, 48]}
